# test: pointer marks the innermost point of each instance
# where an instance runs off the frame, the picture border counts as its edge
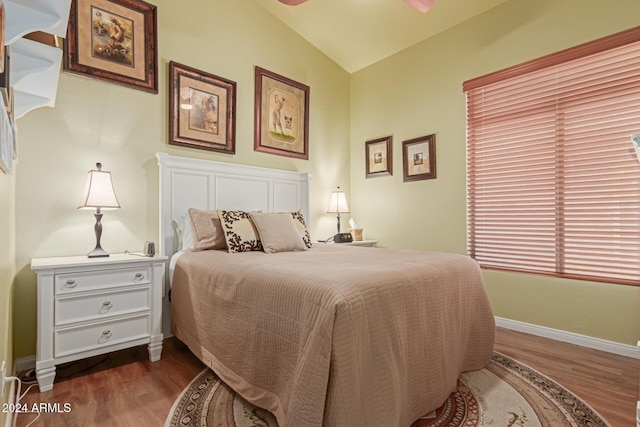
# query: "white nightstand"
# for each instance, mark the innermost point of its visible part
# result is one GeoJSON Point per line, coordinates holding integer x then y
{"type": "Point", "coordinates": [364, 243]}
{"type": "Point", "coordinates": [90, 306]}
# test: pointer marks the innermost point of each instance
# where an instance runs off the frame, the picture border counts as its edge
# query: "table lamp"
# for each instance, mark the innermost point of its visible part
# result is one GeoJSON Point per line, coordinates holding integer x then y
{"type": "Point", "coordinates": [99, 195]}
{"type": "Point", "coordinates": [338, 204]}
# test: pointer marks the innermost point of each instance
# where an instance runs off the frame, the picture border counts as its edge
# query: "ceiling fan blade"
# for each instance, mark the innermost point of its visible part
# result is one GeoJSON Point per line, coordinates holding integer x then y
{"type": "Point", "coordinates": [420, 5]}
{"type": "Point", "coordinates": [292, 2]}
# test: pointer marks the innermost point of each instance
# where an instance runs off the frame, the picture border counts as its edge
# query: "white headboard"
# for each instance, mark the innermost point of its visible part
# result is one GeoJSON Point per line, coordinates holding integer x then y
{"type": "Point", "coordinates": [204, 184]}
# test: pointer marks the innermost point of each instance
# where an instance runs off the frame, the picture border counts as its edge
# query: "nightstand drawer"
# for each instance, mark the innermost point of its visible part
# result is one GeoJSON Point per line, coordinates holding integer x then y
{"type": "Point", "coordinates": [83, 338]}
{"type": "Point", "coordinates": [104, 305]}
{"type": "Point", "coordinates": [92, 280]}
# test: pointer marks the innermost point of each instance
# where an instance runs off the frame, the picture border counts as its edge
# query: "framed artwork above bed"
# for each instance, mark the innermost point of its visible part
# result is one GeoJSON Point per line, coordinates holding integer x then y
{"type": "Point", "coordinates": [281, 115]}
{"type": "Point", "coordinates": [202, 110]}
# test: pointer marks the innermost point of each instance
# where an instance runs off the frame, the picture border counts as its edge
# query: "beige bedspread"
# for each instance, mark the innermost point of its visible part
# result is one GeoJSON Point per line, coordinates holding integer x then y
{"type": "Point", "coordinates": [335, 336]}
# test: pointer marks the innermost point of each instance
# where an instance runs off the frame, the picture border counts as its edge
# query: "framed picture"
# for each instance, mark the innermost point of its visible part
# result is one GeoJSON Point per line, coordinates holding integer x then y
{"type": "Point", "coordinates": [5, 78]}
{"type": "Point", "coordinates": [114, 41]}
{"type": "Point", "coordinates": [419, 158]}
{"type": "Point", "coordinates": [379, 157]}
{"type": "Point", "coordinates": [281, 115]}
{"type": "Point", "coordinates": [202, 112]}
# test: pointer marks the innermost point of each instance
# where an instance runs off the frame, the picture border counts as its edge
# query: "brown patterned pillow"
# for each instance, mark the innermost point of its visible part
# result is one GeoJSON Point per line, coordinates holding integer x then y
{"type": "Point", "coordinates": [239, 231]}
{"type": "Point", "coordinates": [207, 230]}
{"type": "Point", "coordinates": [301, 226]}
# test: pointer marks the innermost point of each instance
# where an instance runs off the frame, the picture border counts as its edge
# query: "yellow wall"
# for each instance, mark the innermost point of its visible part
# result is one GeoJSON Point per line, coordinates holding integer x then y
{"type": "Point", "coordinates": [124, 128]}
{"type": "Point", "coordinates": [419, 92]}
{"type": "Point", "coordinates": [413, 93]}
{"type": "Point", "coordinates": [7, 272]}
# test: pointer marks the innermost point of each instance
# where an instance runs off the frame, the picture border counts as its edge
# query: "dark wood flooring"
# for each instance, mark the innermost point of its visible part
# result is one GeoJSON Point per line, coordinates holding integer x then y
{"type": "Point", "coordinates": [125, 389]}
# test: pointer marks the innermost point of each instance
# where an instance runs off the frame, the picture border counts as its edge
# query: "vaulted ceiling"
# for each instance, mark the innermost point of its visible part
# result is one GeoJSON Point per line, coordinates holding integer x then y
{"type": "Point", "coordinates": [358, 33]}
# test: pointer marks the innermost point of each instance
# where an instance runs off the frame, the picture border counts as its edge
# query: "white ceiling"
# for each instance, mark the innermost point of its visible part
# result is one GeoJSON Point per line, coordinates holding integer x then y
{"type": "Point", "coordinates": [358, 33]}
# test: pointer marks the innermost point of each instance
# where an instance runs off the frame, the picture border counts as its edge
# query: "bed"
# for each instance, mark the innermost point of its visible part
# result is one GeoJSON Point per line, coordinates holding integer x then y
{"type": "Point", "coordinates": [327, 336]}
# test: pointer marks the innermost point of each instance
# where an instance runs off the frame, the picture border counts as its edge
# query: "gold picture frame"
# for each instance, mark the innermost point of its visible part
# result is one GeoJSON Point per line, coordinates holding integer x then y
{"type": "Point", "coordinates": [281, 115]}
{"type": "Point", "coordinates": [113, 41]}
{"type": "Point", "coordinates": [202, 111]}
{"type": "Point", "coordinates": [379, 157]}
{"type": "Point", "coordinates": [419, 158]}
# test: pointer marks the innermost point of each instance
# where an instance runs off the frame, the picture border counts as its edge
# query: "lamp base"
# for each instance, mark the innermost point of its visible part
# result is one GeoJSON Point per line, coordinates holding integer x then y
{"type": "Point", "coordinates": [98, 252]}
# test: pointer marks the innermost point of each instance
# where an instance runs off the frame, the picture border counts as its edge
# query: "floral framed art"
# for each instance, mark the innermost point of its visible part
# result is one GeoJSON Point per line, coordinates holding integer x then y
{"type": "Point", "coordinates": [379, 157]}
{"type": "Point", "coordinates": [114, 41]}
{"type": "Point", "coordinates": [419, 158]}
{"type": "Point", "coordinates": [281, 115]}
{"type": "Point", "coordinates": [202, 110]}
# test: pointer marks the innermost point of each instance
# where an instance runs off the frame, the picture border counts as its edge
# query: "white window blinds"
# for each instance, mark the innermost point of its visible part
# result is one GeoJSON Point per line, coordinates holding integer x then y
{"type": "Point", "coordinates": [553, 183]}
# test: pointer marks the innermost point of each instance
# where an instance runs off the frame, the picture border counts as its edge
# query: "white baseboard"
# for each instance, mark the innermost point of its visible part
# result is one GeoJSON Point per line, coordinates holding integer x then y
{"type": "Point", "coordinates": [570, 337]}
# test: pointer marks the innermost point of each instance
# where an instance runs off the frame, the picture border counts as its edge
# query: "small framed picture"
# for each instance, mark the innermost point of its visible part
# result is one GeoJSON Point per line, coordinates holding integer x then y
{"type": "Point", "coordinates": [379, 157]}
{"type": "Point", "coordinates": [202, 110]}
{"type": "Point", "coordinates": [419, 158]}
{"type": "Point", "coordinates": [114, 41]}
{"type": "Point", "coordinates": [281, 115]}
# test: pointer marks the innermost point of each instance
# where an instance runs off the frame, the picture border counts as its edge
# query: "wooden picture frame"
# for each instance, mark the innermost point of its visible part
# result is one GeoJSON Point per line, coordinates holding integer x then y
{"type": "Point", "coordinates": [419, 158]}
{"type": "Point", "coordinates": [114, 41]}
{"type": "Point", "coordinates": [202, 111]}
{"type": "Point", "coordinates": [379, 157]}
{"type": "Point", "coordinates": [281, 115]}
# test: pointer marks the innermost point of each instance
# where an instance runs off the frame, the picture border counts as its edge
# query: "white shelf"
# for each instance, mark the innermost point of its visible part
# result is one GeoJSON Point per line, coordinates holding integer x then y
{"type": "Point", "coordinates": [35, 68]}
{"type": "Point", "coordinates": [27, 16]}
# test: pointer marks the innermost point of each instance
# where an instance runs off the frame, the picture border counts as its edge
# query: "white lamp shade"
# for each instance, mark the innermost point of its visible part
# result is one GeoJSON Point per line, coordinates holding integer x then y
{"type": "Point", "coordinates": [338, 203]}
{"type": "Point", "coordinates": [99, 193]}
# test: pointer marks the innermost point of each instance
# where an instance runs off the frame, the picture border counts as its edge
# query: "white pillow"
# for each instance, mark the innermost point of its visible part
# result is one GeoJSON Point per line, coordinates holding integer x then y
{"type": "Point", "coordinates": [184, 233]}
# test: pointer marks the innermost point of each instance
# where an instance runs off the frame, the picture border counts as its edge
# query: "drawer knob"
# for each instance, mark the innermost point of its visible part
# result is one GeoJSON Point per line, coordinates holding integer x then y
{"type": "Point", "coordinates": [106, 306]}
{"type": "Point", "coordinates": [70, 284]}
{"type": "Point", "coordinates": [104, 337]}
{"type": "Point", "coordinates": [138, 277]}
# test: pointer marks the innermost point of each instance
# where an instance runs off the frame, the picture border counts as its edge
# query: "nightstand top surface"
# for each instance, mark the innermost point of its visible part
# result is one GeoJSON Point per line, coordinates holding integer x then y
{"type": "Point", "coordinates": [84, 261]}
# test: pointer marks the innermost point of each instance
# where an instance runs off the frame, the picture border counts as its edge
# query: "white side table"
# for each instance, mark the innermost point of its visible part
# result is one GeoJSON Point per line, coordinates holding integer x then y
{"type": "Point", "coordinates": [364, 243]}
{"type": "Point", "coordinates": [90, 306]}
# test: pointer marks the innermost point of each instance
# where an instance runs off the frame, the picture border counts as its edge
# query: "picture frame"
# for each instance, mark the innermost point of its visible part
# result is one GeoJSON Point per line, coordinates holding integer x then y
{"type": "Point", "coordinates": [281, 115]}
{"type": "Point", "coordinates": [202, 111]}
{"type": "Point", "coordinates": [113, 41]}
{"type": "Point", "coordinates": [379, 157]}
{"type": "Point", "coordinates": [5, 77]}
{"type": "Point", "coordinates": [419, 158]}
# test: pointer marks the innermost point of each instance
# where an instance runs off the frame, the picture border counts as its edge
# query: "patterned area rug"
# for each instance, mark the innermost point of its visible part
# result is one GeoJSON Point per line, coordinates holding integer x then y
{"type": "Point", "coordinates": [505, 393]}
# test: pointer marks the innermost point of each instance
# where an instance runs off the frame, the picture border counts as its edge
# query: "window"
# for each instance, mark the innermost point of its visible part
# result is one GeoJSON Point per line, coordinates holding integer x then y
{"type": "Point", "coordinates": [553, 182]}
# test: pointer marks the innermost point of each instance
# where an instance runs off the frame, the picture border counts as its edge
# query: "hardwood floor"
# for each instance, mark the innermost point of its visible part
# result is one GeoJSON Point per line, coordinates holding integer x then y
{"type": "Point", "coordinates": [125, 389]}
{"type": "Point", "coordinates": [609, 383]}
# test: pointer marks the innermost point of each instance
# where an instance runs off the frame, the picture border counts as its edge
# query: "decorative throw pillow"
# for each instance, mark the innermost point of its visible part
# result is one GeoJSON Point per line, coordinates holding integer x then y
{"type": "Point", "coordinates": [207, 230]}
{"type": "Point", "coordinates": [301, 226]}
{"type": "Point", "coordinates": [239, 231]}
{"type": "Point", "coordinates": [278, 232]}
